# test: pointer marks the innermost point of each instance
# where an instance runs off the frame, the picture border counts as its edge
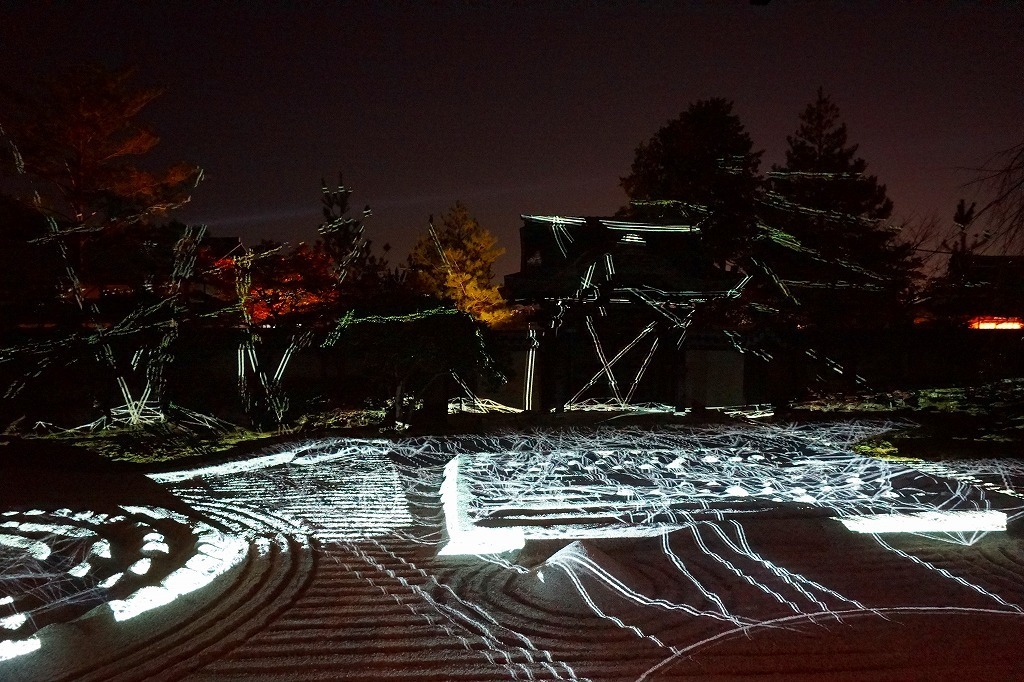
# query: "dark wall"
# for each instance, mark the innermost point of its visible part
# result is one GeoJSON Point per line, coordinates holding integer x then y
{"type": "Point", "coordinates": [75, 388]}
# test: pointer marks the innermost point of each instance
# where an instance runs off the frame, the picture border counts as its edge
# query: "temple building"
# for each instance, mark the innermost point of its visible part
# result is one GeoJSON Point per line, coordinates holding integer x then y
{"type": "Point", "coordinates": [621, 316]}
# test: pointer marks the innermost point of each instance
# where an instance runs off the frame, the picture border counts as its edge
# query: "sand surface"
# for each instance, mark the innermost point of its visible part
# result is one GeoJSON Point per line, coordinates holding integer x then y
{"type": "Point", "coordinates": [322, 562]}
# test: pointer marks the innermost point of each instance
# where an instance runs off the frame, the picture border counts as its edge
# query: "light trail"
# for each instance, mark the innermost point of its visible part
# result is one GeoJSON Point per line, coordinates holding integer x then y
{"type": "Point", "coordinates": [693, 493]}
{"type": "Point", "coordinates": [812, 618]}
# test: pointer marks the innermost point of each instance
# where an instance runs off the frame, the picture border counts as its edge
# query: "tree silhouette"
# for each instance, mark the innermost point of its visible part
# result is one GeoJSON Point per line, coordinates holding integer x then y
{"type": "Point", "coordinates": [29, 270]}
{"type": "Point", "coordinates": [841, 205]}
{"type": "Point", "coordinates": [74, 142]}
{"type": "Point", "coordinates": [700, 168]}
{"type": "Point", "coordinates": [1003, 176]}
{"type": "Point", "coordinates": [824, 202]}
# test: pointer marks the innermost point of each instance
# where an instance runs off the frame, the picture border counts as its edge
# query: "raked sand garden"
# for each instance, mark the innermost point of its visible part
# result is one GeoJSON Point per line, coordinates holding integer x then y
{"type": "Point", "coordinates": [726, 552]}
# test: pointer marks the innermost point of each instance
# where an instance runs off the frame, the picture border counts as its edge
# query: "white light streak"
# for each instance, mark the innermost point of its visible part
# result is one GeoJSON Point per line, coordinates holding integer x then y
{"type": "Point", "coordinates": [13, 622]}
{"type": "Point", "coordinates": [12, 648]}
{"type": "Point", "coordinates": [531, 369]}
{"type": "Point", "coordinates": [928, 522]}
{"type": "Point", "coordinates": [218, 554]}
{"type": "Point", "coordinates": [620, 225]}
{"type": "Point", "coordinates": [111, 580]}
{"type": "Point", "coordinates": [36, 549]}
{"type": "Point", "coordinates": [463, 536]}
{"type": "Point", "coordinates": [145, 599]}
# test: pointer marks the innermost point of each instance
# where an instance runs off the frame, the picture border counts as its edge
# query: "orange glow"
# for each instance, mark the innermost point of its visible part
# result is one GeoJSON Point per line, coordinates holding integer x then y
{"type": "Point", "coordinates": [990, 322]}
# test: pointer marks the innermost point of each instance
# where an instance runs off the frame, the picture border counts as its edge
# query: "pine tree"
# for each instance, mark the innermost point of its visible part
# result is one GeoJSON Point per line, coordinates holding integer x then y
{"type": "Point", "coordinates": [74, 144]}
{"type": "Point", "coordinates": [699, 167]}
{"type": "Point", "coordinates": [79, 136]}
{"type": "Point", "coordinates": [825, 204]}
{"type": "Point", "coordinates": [456, 263]}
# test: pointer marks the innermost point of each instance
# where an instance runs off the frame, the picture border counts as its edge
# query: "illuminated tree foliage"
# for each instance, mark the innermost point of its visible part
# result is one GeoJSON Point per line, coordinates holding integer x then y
{"type": "Point", "coordinates": [699, 168]}
{"type": "Point", "coordinates": [79, 135]}
{"type": "Point", "coordinates": [323, 295]}
{"type": "Point", "coordinates": [299, 285]}
{"type": "Point", "coordinates": [314, 283]}
{"type": "Point", "coordinates": [72, 146]}
{"type": "Point", "coordinates": [456, 262]}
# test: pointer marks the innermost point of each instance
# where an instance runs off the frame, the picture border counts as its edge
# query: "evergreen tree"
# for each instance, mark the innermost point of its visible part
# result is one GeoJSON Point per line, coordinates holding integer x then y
{"type": "Point", "coordinates": [456, 262]}
{"type": "Point", "coordinates": [824, 177]}
{"type": "Point", "coordinates": [828, 207]}
{"type": "Point", "coordinates": [701, 168]}
{"type": "Point", "coordinates": [78, 136]}
{"type": "Point", "coordinates": [74, 142]}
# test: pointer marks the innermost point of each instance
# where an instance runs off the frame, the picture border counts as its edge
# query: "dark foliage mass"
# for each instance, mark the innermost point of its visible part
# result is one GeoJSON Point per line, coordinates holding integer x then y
{"type": "Point", "coordinates": [823, 200]}
{"type": "Point", "coordinates": [100, 293]}
{"type": "Point", "coordinates": [140, 318]}
{"type": "Point", "coordinates": [1004, 212]}
{"type": "Point", "coordinates": [700, 168]}
{"type": "Point", "coordinates": [814, 229]}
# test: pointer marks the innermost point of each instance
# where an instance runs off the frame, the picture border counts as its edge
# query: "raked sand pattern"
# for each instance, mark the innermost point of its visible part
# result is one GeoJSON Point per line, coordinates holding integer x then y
{"type": "Point", "coordinates": [716, 554]}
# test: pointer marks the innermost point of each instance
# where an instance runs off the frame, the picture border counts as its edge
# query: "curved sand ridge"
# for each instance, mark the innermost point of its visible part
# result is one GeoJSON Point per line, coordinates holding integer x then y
{"type": "Point", "coordinates": [336, 576]}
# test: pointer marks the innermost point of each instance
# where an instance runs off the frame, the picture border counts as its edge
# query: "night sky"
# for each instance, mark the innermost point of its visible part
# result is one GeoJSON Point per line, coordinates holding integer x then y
{"type": "Point", "coordinates": [527, 108]}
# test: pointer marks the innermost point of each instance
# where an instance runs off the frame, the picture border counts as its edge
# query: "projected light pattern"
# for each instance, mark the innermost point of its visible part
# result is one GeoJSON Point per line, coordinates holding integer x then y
{"type": "Point", "coordinates": [58, 565]}
{"type": "Point", "coordinates": [659, 316]}
{"type": "Point", "coordinates": [696, 487]}
{"type": "Point", "coordinates": [1003, 476]}
{"type": "Point", "coordinates": [725, 549]}
{"type": "Point", "coordinates": [339, 489]}
{"type": "Point", "coordinates": [634, 482]}
{"type": "Point", "coordinates": [148, 361]}
{"type": "Point", "coordinates": [430, 537]}
{"type": "Point", "coordinates": [597, 405]}
{"type": "Point", "coordinates": [473, 404]}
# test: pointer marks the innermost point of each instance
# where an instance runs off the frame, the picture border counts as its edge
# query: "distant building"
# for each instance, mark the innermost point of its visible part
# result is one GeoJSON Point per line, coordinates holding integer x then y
{"type": "Point", "coordinates": [981, 292]}
{"type": "Point", "coordinates": [619, 315]}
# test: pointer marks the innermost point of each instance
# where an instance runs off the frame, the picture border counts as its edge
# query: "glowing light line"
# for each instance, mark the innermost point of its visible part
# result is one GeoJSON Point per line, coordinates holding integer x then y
{"type": "Point", "coordinates": [612, 383]}
{"type": "Point", "coordinates": [531, 369]}
{"type": "Point", "coordinates": [640, 372]}
{"type": "Point", "coordinates": [747, 578]}
{"type": "Point", "coordinates": [812, 618]}
{"type": "Point", "coordinates": [606, 367]}
{"type": "Point", "coordinates": [619, 225]}
{"type": "Point", "coordinates": [708, 594]}
{"type": "Point", "coordinates": [946, 574]}
{"type": "Point", "coordinates": [928, 521]}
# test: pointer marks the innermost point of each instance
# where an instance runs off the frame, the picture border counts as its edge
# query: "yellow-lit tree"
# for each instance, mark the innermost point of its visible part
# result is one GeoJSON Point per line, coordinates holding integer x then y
{"type": "Point", "coordinates": [455, 261]}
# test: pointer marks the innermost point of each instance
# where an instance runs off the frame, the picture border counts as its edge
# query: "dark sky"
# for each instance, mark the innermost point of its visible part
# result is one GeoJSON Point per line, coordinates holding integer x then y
{"type": "Point", "coordinates": [528, 107]}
